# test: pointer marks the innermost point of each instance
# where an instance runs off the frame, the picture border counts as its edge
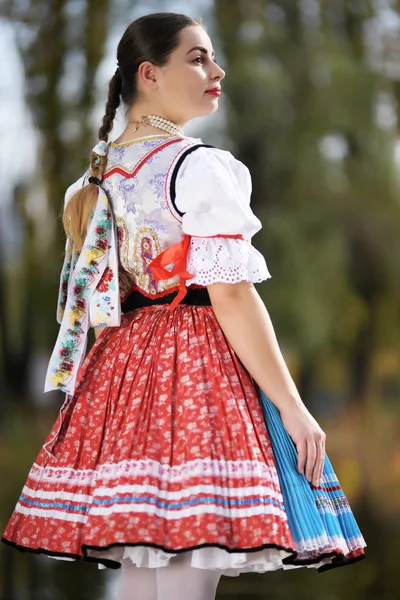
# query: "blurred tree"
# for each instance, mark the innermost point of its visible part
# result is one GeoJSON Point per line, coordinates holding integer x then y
{"type": "Point", "coordinates": [61, 45]}
{"type": "Point", "coordinates": [301, 114]}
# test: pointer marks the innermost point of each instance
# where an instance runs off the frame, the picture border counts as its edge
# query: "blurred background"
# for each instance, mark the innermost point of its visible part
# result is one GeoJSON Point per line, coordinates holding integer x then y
{"type": "Point", "coordinates": [311, 105]}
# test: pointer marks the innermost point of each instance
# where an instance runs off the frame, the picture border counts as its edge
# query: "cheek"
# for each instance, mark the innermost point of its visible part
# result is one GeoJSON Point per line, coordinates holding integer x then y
{"type": "Point", "coordinates": [195, 80]}
{"type": "Point", "coordinates": [186, 82]}
{"type": "Point", "coordinates": [177, 82]}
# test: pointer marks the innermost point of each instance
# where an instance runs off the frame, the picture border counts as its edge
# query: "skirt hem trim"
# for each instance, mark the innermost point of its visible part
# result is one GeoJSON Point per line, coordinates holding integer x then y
{"type": "Point", "coordinates": [338, 559]}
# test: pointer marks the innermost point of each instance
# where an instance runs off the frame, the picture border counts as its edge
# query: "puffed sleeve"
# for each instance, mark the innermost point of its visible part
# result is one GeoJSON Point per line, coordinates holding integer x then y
{"type": "Point", "coordinates": [213, 191]}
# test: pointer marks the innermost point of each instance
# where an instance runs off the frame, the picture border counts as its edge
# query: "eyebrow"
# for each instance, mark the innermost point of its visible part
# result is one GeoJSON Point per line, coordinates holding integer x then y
{"type": "Point", "coordinates": [201, 49]}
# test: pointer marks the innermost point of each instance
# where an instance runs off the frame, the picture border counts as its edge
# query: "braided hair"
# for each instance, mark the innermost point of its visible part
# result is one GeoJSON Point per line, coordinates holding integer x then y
{"type": "Point", "coordinates": [150, 38]}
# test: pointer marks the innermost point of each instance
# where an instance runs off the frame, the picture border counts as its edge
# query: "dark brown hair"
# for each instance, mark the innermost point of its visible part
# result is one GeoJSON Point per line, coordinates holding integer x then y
{"type": "Point", "coordinates": [150, 38]}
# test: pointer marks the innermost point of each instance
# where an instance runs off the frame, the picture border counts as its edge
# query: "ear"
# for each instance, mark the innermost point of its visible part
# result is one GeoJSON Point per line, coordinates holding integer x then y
{"type": "Point", "coordinates": [147, 73]}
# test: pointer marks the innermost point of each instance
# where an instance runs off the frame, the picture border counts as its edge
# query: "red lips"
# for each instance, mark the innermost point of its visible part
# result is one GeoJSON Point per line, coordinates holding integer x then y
{"type": "Point", "coordinates": [215, 91]}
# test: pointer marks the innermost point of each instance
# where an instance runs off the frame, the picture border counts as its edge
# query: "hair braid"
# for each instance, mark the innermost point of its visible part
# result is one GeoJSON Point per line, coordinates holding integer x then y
{"type": "Point", "coordinates": [113, 101]}
{"type": "Point", "coordinates": [98, 163]}
{"type": "Point", "coordinates": [79, 208]}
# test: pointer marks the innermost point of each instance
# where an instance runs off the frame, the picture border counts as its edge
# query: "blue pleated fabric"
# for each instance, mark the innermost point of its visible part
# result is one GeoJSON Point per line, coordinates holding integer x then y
{"type": "Point", "coordinates": [320, 518]}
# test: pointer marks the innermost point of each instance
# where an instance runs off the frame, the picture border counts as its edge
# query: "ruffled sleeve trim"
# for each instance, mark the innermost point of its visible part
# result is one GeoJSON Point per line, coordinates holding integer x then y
{"type": "Point", "coordinates": [216, 260]}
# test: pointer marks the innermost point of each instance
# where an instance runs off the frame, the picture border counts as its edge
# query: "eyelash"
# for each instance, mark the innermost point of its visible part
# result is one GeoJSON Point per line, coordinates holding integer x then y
{"type": "Point", "coordinates": [202, 60]}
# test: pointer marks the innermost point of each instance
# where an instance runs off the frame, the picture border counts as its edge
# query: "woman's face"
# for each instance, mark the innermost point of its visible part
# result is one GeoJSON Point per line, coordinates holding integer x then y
{"type": "Point", "coordinates": [183, 84]}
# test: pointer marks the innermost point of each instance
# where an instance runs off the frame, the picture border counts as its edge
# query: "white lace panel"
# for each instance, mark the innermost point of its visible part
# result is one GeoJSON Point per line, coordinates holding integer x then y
{"type": "Point", "coordinates": [225, 260]}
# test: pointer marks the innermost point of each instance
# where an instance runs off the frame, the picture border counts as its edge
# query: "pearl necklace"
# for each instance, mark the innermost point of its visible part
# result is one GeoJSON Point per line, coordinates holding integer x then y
{"type": "Point", "coordinates": [159, 123]}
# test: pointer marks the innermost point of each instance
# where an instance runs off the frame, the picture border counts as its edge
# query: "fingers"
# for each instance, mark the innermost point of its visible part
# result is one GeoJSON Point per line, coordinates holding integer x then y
{"type": "Point", "coordinates": [311, 458]}
{"type": "Point", "coordinates": [302, 456]}
{"type": "Point", "coordinates": [319, 462]}
{"type": "Point", "coordinates": [320, 458]}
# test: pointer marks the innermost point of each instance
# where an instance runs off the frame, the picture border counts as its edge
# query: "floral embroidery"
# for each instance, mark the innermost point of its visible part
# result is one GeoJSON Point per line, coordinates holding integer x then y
{"type": "Point", "coordinates": [71, 257]}
{"type": "Point", "coordinates": [90, 301]}
{"type": "Point", "coordinates": [94, 255]}
{"type": "Point", "coordinates": [106, 281]}
{"type": "Point", "coordinates": [64, 281]}
{"type": "Point", "coordinates": [127, 188]}
{"type": "Point", "coordinates": [118, 153]}
{"type": "Point", "coordinates": [155, 223]}
{"type": "Point", "coordinates": [157, 183]}
{"type": "Point", "coordinates": [149, 145]}
{"type": "Point", "coordinates": [103, 306]}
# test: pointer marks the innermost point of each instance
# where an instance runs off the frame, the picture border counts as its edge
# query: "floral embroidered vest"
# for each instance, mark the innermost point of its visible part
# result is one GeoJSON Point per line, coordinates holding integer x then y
{"type": "Point", "coordinates": [134, 234]}
{"type": "Point", "coordinates": [138, 181]}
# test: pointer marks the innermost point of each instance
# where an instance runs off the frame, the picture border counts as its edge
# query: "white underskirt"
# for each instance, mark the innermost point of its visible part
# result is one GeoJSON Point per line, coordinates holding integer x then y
{"type": "Point", "coordinates": [230, 564]}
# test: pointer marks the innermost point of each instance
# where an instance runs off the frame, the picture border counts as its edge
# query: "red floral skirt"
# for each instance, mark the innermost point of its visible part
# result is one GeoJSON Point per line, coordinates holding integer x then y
{"type": "Point", "coordinates": [162, 449]}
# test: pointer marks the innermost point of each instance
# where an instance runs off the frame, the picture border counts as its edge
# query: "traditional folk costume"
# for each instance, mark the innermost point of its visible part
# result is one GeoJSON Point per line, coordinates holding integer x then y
{"type": "Point", "coordinates": [164, 443]}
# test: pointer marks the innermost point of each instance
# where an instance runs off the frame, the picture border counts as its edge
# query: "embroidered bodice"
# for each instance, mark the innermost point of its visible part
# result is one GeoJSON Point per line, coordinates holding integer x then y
{"type": "Point", "coordinates": [137, 183]}
{"type": "Point", "coordinates": [171, 212]}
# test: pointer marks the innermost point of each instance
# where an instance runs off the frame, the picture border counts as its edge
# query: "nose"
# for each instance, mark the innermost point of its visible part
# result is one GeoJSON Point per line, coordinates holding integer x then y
{"type": "Point", "coordinates": [218, 72]}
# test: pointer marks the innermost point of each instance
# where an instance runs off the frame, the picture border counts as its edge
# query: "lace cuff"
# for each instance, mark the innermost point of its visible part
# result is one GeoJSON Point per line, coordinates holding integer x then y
{"type": "Point", "coordinates": [224, 260]}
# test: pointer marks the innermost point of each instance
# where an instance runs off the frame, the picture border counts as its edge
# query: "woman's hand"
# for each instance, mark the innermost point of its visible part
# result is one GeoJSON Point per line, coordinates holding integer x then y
{"type": "Point", "coordinates": [309, 439]}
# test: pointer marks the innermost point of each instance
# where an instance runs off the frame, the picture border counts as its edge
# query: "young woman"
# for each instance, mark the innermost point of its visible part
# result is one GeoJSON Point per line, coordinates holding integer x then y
{"type": "Point", "coordinates": [161, 460]}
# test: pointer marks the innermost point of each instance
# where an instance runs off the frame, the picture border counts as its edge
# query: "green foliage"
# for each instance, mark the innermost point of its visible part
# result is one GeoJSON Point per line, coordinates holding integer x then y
{"type": "Point", "coordinates": [302, 105]}
{"type": "Point", "coordinates": [303, 102]}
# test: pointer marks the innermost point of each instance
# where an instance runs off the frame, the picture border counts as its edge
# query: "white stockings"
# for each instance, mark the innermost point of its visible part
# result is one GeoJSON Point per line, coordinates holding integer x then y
{"type": "Point", "coordinates": [137, 583]}
{"type": "Point", "coordinates": [176, 581]}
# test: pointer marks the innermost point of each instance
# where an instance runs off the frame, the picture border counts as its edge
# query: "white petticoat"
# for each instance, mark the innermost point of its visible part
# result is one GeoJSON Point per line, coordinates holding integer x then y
{"type": "Point", "coordinates": [231, 564]}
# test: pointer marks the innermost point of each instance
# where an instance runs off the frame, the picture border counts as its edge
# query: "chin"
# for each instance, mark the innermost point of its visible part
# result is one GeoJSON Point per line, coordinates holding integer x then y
{"type": "Point", "coordinates": [203, 112]}
{"type": "Point", "coordinates": [210, 109]}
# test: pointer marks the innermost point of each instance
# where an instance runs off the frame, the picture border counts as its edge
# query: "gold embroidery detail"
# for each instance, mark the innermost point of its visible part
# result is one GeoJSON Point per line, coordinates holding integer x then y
{"type": "Point", "coordinates": [149, 139]}
{"type": "Point", "coordinates": [124, 245]}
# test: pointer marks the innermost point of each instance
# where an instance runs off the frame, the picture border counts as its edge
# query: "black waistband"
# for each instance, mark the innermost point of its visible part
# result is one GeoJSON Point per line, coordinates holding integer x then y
{"type": "Point", "coordinates": [194, 297]}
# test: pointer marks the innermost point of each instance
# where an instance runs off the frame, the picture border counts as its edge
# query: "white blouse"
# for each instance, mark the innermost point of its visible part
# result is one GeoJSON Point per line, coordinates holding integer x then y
{"type": "Point", "coordinates": [213, 189]}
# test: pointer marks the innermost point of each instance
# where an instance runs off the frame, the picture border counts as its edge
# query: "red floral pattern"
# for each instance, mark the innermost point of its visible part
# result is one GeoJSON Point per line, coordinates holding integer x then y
{"type": "Point", "coordinates": [163, 444]}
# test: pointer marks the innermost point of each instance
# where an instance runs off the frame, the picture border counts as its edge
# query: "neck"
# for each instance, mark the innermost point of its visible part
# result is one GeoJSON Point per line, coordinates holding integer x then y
{"type": "Point", "coordinates": [157, 122]}
{"type": "Point", "coordinates": [145, 108]}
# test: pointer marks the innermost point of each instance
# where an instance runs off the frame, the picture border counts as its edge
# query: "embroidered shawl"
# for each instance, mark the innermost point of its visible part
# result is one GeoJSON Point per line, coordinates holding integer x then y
{"type": "Point", "coordinates": [84, 301]}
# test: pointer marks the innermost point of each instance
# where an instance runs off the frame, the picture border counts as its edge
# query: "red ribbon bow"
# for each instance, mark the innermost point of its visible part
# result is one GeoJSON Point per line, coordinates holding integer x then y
{"type": "Point", "coordinates": [178, 254]}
